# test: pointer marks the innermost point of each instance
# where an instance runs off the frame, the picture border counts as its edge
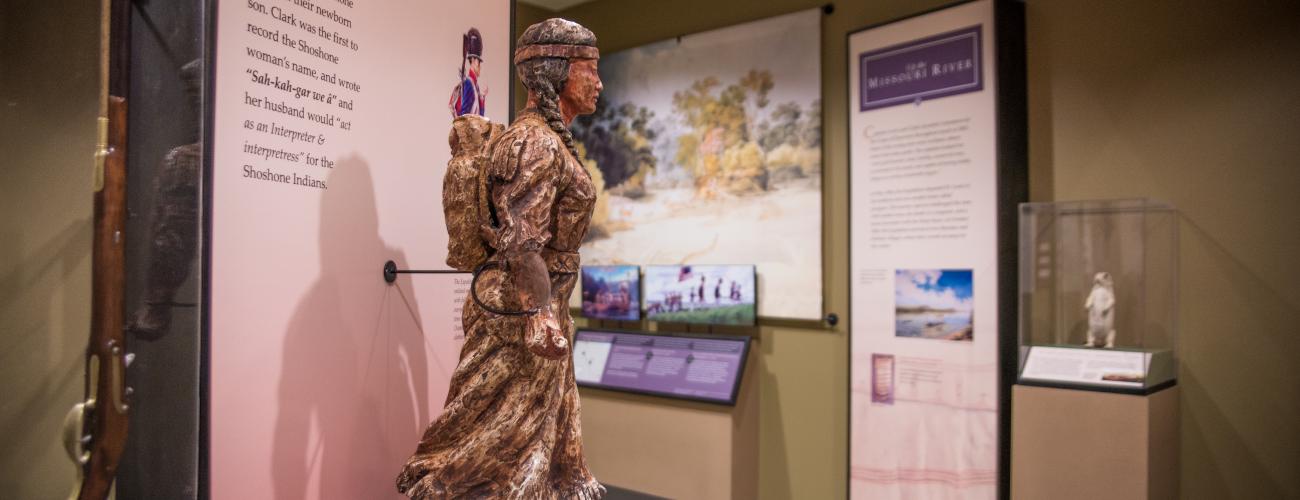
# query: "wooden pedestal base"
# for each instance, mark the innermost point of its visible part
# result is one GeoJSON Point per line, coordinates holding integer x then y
{"type": "Point", "coordinates": [1068, 444]}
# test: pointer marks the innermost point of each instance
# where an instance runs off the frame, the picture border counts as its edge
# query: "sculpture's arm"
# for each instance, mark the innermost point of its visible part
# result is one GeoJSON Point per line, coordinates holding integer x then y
{"type": "Point", "coordinates": [174, 240]}
{"type": "Point", "coordinates": [527, 171]}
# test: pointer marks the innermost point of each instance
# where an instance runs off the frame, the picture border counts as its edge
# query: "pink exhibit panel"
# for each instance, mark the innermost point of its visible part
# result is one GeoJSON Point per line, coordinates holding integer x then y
{"type": "Point", "coordinates": [329, 144]}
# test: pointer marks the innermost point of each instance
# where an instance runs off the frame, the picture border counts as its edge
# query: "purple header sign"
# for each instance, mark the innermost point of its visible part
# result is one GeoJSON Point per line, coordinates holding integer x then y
{"type": "Point", "coordinates": [706, 369]}
{"type": "Point", "coordinates": [928, 68]}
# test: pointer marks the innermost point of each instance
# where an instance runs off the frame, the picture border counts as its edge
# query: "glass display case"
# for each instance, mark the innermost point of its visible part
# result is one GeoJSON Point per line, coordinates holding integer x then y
{"type": "Point", "coordinates": [163, 234]}
{"type": "Point", "coordinates": [1098, 295]}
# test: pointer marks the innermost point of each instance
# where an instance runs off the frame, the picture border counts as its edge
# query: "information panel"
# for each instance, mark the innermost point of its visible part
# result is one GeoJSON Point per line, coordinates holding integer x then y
{"type": "Point", "coordinates": [329, 139]}
{"type": "Point", "coordinates": [926, 202]}
{"type": "Point", "coordinates": [1135, 371]}
{"type": "Point", "coordinates": [1116, 368]}
{"type": "Point", "coordinates": [706, 369]}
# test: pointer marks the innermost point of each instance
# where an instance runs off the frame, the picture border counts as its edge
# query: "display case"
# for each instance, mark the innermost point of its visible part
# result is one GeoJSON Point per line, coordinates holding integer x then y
{"type": "Point", "coordinates": [1098, 295]}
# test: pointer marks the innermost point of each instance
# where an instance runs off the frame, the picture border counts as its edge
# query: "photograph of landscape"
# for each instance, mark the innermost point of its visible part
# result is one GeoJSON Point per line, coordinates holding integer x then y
{"type": "Point", "coordinates": [934, 304]}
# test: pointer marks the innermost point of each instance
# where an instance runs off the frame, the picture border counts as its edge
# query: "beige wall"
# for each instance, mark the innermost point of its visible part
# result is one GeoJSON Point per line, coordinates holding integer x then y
{"type": "Point", "coordinates": [1194, 103]}
{"type": "Point", "coordinates": [48, 86]}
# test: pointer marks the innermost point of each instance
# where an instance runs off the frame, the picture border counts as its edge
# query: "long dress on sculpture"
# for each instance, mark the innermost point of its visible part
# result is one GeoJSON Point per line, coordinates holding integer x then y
{"type": "Point", "coordinates": [511, 428]}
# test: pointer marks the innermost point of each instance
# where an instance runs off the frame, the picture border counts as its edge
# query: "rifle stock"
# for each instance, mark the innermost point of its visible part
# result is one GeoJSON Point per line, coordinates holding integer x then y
{"type": "Point", "coordinates": [106, 352]}
{"type": "Point", "coordinates": [95, 430]}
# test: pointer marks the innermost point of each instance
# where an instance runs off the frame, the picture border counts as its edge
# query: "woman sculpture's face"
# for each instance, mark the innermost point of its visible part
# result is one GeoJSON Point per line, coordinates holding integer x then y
{"type": "Point", "coordinates": [582, 87]}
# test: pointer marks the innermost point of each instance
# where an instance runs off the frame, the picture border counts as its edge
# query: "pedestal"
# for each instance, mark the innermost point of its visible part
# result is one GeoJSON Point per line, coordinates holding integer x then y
{"type": "Point", "coordinates": [1080, 444]}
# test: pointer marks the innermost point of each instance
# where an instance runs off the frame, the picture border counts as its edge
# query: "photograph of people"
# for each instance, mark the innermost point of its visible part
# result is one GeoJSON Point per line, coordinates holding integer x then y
{"type": "Point", "coordinates": [611, 292]}
{"type": "Point", "coordinates": [721, 295]}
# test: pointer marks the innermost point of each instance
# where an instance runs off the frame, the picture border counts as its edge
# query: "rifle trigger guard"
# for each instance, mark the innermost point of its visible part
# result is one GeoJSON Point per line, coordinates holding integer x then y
{"type": "Point", "coordinates": [74, 426]}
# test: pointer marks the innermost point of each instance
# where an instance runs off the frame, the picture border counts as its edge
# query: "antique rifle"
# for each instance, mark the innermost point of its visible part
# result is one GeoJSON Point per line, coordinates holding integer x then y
{"type": "Point", "coordinates": [95, 430]}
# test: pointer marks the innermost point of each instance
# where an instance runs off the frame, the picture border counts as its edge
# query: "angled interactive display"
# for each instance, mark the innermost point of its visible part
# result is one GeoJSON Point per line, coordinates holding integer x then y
{"type": "Point", "coordinates": [699, 368]}
{"type": "Point", "coordinates": [611, 292]}
{"type": "Point", "coordinates": [719, 295]}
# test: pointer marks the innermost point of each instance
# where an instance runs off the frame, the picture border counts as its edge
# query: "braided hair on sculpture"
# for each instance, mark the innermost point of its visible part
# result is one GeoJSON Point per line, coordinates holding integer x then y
{"type": "Point", "coordinates": [545, 76]}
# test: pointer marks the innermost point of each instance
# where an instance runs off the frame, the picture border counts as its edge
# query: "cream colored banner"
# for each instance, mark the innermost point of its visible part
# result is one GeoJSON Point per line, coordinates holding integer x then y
{"type": "Point", "coordinates": [924, 377]}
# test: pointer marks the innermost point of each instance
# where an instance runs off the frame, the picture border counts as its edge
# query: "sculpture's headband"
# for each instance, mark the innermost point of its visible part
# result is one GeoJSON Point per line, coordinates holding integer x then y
{"type": "Point", "coordinates": [556, 50]}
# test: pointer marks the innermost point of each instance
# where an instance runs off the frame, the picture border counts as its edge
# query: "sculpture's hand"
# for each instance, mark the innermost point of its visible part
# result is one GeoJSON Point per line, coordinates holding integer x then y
{"type": "Point", "coordinates": [150, 322]}
{"type": "Point", "coordinates": [545, 337]}
{"type": "Point", "coordinates": [542, 332]}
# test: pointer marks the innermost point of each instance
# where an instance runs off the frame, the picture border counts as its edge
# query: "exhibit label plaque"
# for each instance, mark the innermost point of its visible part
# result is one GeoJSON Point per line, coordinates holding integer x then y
{"type": "Point", "coordinates": [1137, 371]}
{"type": "Point", "coordinates": [1087, 366]}
{"type": "Point", "coordinates": [706, 369]}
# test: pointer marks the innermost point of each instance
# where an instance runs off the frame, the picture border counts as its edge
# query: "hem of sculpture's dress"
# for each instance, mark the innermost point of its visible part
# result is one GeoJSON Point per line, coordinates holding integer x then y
{"type": "Point", "coordinates": [590, 490]}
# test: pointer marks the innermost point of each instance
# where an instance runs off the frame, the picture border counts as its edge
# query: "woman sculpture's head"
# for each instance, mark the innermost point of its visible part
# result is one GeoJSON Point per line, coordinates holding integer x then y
{"type": "Point", "coordinates": [556, 60]}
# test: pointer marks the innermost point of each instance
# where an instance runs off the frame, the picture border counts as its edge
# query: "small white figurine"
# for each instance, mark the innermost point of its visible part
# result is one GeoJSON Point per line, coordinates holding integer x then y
{"type": "Point", "coordinates": [1101, 310]}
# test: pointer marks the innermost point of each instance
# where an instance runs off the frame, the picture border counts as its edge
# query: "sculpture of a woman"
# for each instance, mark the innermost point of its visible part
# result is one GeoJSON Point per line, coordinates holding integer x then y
{"type": "Point", "coordinates": [510, 428]}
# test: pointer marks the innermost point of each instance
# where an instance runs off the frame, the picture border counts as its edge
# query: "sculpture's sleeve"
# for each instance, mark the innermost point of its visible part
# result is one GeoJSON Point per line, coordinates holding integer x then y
{"type": "Point", "coordinates": [525, 171]}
